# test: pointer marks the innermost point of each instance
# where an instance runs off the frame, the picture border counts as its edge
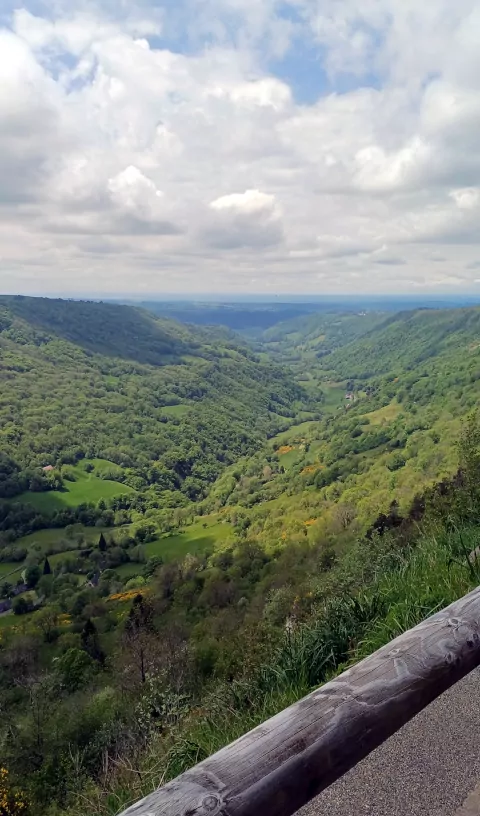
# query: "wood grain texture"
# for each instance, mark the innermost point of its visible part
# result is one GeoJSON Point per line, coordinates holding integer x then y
{"type": "Point", "coordinates": [283, 763]}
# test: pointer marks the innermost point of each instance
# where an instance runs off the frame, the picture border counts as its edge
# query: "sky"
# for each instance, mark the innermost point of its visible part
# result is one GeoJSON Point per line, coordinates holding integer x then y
{"type": "Point", "coordinates": [260, 146]}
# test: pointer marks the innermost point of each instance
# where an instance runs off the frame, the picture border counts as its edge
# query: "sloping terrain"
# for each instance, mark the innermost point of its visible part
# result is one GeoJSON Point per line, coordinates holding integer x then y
{"type": "Point", "coordinates": [193, 506]}
{"type": "Point", "coordinates": [406, 340]}
{"type": "Point", "coordinates": [394, 401]}
{"type": "Point", "coordinates": [168, 404]}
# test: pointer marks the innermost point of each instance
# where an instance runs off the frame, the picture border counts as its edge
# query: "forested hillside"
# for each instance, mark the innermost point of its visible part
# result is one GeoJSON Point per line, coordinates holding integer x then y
{"type": "Point", "coordinates": [164, 406]}
{"type": "Point", "coordinates": [404, 342]}
{"type": "Point", "coordinates": [395, 389]}
{"type": "Point", "coordinates": [171, 500]}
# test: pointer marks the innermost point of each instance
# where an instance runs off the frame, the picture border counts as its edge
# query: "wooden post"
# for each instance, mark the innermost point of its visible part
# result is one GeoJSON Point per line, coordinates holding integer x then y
{"type": "Point", "coordinates": [283, 763]}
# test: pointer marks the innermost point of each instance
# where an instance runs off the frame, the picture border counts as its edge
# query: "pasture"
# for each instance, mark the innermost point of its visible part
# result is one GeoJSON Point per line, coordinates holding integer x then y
{"type": "Point", "coordinates": [175, 410]}
{"type": "Point", "coordinates": [334, 397]}
{"type": "Point", "coordinates": [86, 488]}
{"type": "Point", "coordinates": [194, 539]}
{"type": "Point", "coordinates": [383, 415]}
{"type": "Point", "coordinates": [53, 537]}
{"type": "Point", "coordinates": [8, 567]}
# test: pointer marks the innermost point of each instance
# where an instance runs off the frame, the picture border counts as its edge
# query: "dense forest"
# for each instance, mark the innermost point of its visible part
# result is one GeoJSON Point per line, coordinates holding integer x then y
{"type": "Point", "coordinates": [165, 407]}
{"type": "Point", "coordinates": [195, 531]}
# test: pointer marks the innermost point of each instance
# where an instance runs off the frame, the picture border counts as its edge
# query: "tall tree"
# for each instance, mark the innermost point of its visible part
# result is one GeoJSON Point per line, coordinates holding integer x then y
{"type": "Point", "coordinates": [139, 634]}
{"type": "Point", "coordinates": [90, 642]}
{"type": "Point", "coordinates": [32, 576]}
{"type": "Point", "coordinates": [47, 570]}
{"type": "Point", "coordinates": [102, 543]}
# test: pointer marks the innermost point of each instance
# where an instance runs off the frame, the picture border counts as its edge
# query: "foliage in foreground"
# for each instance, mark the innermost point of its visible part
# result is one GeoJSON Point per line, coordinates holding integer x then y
{"type": "Point", "coordinates": [407, 587]}
{"type": "Point", "coordinates": [385, 585]}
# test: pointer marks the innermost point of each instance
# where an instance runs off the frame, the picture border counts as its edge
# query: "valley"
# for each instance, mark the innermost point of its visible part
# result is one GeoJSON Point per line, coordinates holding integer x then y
{"type": "Point", "coordinates": [173, 495]}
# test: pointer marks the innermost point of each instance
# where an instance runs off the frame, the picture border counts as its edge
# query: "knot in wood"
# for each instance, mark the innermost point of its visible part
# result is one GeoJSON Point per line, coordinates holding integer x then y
{"type": "Point", "coordinates": [210, 805]}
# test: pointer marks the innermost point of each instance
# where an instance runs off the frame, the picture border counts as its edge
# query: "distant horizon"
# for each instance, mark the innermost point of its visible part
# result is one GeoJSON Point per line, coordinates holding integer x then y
{"type": "Point", "coordinates": [226, 297]}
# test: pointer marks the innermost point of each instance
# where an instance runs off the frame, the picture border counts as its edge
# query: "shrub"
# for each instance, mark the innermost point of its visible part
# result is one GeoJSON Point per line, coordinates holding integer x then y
{"type": "Point", "coordinates": [12, 802]}
{"type": "Point", "coordinates": [21, 606]}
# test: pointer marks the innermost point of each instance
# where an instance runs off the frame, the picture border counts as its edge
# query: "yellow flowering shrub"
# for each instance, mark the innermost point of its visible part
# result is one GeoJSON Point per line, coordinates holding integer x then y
{"type": "Point", "coordinates": [129, 595]}
{"type": "Point", "coordinates": [12, 803]}
{"type": "Point", "coordinates": [285, 449]}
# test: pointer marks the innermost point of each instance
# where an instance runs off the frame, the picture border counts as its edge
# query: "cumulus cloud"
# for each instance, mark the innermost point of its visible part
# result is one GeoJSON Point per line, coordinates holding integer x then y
{"type": "Point", "coordinates": [173, 141]}
{"type": "Point", "coordinates": [29, 121]}
{"type": "Point", "coordinates": [249, 219]}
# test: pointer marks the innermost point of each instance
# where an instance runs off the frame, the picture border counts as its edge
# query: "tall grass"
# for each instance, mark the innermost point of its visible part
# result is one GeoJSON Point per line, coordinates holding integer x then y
{"type": "Point", "coordinates": [428, 577]}
{"type": "Point", "coordinates": [408, 588]}
{"type": "Point", "coordinates": [437, 573]}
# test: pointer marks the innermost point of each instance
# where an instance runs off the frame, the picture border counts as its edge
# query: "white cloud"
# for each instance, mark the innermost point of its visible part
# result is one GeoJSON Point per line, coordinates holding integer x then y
{"type": "Point", "coordinates": [29, 120]}
{"type": "Point", "coordinates": [249, 219]}
{"type": "Point", "coordinates": [466, 199]}
{"type": "Point", "coordinates": [134, 193]}
{"type": "Point", "coordinates": [169, 140]}
{"type": "Point", "coordinates": [250, 203]}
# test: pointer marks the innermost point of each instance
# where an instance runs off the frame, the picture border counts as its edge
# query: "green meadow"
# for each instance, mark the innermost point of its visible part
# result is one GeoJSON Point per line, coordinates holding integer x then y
{"type": "Point", "coordinates": [7, 567]}
{"type": "Point", "coordinates": [193, 539]}
{"type": "Point", "coordinates": [334, 397]}
{"type": "Point", "coordinates": [126, 571]}
{"type": "Point", "coordinates": [53, 536]}
{"type": "Point", "coordinates": [175, 410]}
{"type": "Point", "coordinates": [86, 488]}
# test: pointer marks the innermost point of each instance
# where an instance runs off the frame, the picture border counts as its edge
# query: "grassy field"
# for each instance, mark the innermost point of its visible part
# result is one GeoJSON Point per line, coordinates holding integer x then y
{"type": "Point", "coordinates": [47, 538]}
{"type": "Point", "coordinates": [54, 535]}
{"type": "Point", "coordinates": [175, 410]}
{"type": "Point", "coordinates": [63, 556]}
{"type": "Point", "coordinates": [8, 619]}
{"type": "Point", "coordinates": [295, 433]}
{"type": "Point", "coordinates": [86, 488]}
{"type": "Point", "coordinates": [101, 465]}
{"type": "Point", "coordinates": [334, 397]}
{"type": "Point", "coordinates": [131, 570]}
{"type": "Point", "coordinates": [193, 539]}
{"type": "Point", "coordinates": [290, 458]}
{"type": "Point", "coordinates": [383, 415]}
{"type": "Point", "coordinates": [6, 567]}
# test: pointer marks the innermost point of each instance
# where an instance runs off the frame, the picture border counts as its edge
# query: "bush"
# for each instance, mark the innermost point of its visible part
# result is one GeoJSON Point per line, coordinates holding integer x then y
{"type": "Point", "coordinates": [21, 606]}
{"type": "Point", "coordinates": [135, 582]}
{"type": "Point", "coordinates": [75, 669]}
{"type": "Point", "coordinates": [12, 803]}
{"type": "Point", "coordinates": [396, 462]}
{"type": "Point", "coordinates": [32, 576]}
{"type": "Point", "coordinates": [68, 473]}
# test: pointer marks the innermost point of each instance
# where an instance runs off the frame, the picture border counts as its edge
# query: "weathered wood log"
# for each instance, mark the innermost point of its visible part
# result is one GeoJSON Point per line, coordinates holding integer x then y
{"type": "Point", "coordinates": [283, 763]}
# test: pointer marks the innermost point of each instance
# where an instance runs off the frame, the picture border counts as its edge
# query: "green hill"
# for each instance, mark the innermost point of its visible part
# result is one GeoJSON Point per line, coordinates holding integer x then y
{"type": "Point", "coordinates": [168, 406]}
{"type": "Point", "coordinates": [171, 500]}
{"type": "Point", "coordinates": [101, 328]}
{"type": "Point", "coordinates": [394, 399]}
{"type": "Point", "coordinates": [317, 335]}
{"type": "Point", "coordinates": [405, 341]}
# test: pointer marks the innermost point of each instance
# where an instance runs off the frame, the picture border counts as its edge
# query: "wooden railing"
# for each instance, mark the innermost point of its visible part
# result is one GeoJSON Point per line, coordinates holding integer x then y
{"type": "Point", "coordinates": [283, 763]}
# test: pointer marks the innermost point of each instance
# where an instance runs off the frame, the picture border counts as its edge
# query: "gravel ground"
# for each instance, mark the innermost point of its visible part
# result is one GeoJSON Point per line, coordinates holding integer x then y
{"type": "Point", "coordinates": [428, 768]}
